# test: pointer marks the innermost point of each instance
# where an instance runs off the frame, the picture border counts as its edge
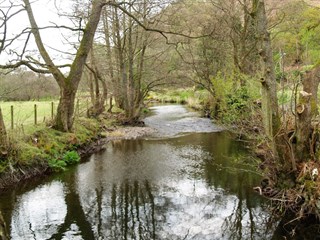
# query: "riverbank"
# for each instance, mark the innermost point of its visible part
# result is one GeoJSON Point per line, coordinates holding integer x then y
{"type": "Point", "coordinates": [46, 150]}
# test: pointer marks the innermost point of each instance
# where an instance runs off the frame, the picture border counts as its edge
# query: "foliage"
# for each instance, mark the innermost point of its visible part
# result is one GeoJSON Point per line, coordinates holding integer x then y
{"type": "Point", "coordinates": [284, 97]}
{"type": "Point", "coordinates": [60, 163]}
{"type": "Point", "coordinates": [297, 35]}
{"type": "Point", "coordinates": [171, 95]}
{"type": "Point", "coordinates": [71, 157]}
{"type": "Point", "coordinates": [57, 165]}
{"type": "Point", "coordinates": [235, 99]}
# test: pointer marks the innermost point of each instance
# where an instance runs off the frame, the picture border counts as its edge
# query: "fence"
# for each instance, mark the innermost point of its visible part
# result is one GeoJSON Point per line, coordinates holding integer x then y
{"type": "Point", "coordinates": [20, 114]}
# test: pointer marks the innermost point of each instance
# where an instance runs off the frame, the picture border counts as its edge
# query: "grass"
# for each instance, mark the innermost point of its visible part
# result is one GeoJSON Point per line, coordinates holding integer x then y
{"type": "Point", "coordinates": [23, 112]}
{"type": "Point", "coordinates": [32, 145]}
{"type": "Point", "coordinates": [194, 99]}
{"type": "Point", "coordinates": [48, 147]}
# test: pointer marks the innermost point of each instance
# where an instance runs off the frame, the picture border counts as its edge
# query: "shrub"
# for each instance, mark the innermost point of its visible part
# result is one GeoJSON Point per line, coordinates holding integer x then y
{"type": "Point", "coordinates": [71, 157]}
{"type": "Point", "coordinates": [60, 164]}
{"type": "Point", "coordinates": [57, 165]}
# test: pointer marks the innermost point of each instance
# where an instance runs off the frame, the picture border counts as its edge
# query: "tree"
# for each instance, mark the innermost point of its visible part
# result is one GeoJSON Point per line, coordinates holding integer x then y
{"type": "Point", "coordinates": [237, 19]}
{"type": "Point", "coordinates": [129, 30]}
{"type": "Point", "coordinates": [5, 16]}
{"type": "Point", "coordinates": [306, 110]}
{"type": "Point", "coordinates": [271, 118]}
{"type": "Point", "coordinates": [96, 79]}
{"type": "Point", "coordinates": [68, 84]}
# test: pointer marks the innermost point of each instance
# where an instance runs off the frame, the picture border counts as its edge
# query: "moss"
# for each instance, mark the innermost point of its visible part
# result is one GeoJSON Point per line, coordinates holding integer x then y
{"type": "Point", "coordinates": [49, 147]}
{"type": "Point", "coordinates": [29, 154]}
{"type": "Point", "coordinates": [310, 186]}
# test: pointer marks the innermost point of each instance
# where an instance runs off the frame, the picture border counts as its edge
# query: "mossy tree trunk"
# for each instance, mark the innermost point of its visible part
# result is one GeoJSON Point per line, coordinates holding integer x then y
{"type": "Point", "coordinates": [68, 84]}
{"type": "Point", "coordinates": [65, 110]}
{"type": "Point", "coordinates": [271, 118]}
{"type": "Point", "coordinates": [306, 110]}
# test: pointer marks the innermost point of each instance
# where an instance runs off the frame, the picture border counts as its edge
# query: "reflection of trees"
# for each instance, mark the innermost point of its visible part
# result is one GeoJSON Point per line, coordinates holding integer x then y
{"type": "Point", "coordinates": [127, 145]}
{"type": "Point", "coordinates": [132, 211]}
{"type": "Point", "coordinates": [75, 213]}
{"type": "Point", "coordinates": [7, 207]}
{"type": "Point", "coordinates": [245, 220]}
{"type": "Point", "coordinates": [3, 229]}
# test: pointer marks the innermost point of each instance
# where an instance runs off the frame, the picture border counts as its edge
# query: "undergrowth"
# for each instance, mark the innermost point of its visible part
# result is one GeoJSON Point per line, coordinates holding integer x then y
{"type": "Point", "coordinates": [48, 147]}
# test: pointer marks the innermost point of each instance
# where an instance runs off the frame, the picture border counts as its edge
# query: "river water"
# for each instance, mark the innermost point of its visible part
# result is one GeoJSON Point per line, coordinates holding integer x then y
{"type": "Point", "coordinates": [189, 180]}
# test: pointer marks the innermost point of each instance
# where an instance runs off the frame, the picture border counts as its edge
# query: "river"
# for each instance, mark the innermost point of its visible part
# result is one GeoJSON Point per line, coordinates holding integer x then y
{"type": "Point", "coordinates": [189, 180]}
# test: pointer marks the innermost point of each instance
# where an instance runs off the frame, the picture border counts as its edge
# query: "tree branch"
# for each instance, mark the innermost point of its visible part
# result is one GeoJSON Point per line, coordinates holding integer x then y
{"type": "Point", "coordinates": [162, 32]}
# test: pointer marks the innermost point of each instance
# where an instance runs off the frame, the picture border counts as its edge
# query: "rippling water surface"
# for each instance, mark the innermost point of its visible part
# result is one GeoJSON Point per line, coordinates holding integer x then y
{"type": "Point", "coordinates": [191, 180]}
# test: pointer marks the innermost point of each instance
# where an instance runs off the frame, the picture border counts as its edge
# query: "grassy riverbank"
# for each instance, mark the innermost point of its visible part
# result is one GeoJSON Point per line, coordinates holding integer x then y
{"type": "Point", "coordinates": [42, 149]}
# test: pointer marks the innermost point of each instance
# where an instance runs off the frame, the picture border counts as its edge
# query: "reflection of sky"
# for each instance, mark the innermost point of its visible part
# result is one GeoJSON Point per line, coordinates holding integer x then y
{"type": "Point", "coordinates": [200, 212]}
{"type": "Point", "coordinates": [38, 213]}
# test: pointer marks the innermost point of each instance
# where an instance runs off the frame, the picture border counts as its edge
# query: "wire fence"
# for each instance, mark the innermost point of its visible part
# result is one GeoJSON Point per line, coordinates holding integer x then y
{"type": "Point", "coordinates": [18, 115]}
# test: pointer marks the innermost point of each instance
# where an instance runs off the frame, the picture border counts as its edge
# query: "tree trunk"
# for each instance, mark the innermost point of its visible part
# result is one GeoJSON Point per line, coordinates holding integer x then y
{"type": "Point", "coordinates": [68, 85]}
{"type": "Point", "coordinates": [271, 118]}
{"type": "Point", "coordinates": [64, 117]}
{"type": "Point", "coordinates": [122, 75]}
{"type": "Point", "coordinates": [99, 98]}
{"type": "Point", "coordinates": [310, 84]}
{"type": "Point", "coordinates": [107, 35]}
{"type": "Point", "coordinates": [130, 111]}
{"type": "Point", "coordinates": [307, 109]}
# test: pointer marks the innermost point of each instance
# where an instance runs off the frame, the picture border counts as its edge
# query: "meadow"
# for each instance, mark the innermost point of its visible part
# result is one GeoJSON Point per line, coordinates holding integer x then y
{"type": "Point", "coordinates": [24, 111]}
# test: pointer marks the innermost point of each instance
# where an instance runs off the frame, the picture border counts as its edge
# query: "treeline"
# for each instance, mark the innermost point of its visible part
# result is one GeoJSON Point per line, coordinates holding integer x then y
{"type": "Point", "coordinates": [25, 86]}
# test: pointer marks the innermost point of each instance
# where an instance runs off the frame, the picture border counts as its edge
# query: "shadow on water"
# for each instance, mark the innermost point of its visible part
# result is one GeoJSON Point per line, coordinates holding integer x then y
{"type": "Point", "coordinates": [194, 186]}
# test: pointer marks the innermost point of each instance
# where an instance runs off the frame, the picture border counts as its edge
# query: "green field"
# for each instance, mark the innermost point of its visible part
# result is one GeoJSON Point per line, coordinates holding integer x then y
{"type": "Point", "coordinates": [24, 113]}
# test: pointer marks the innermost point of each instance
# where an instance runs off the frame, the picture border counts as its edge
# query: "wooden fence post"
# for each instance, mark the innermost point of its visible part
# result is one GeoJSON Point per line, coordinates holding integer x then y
{"type": "Point", "coordinates": [35, 114]}
{"type": "Point", "coordinates": [11, 116]}
{"type": "Point", "coordinates": [52, 105]}
{"type": "Point", "coordinates": [3, 133]}
{"type": "Point", "coordinates": [78, 106]}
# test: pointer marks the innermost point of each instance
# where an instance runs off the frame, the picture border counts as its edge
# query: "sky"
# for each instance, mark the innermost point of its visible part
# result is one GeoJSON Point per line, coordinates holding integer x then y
{"type": "Point", "coordinates": [46, 13]}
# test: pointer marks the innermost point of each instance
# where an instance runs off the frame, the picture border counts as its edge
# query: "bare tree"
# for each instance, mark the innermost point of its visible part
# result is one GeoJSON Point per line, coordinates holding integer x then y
{"type": "Point", "coordinates": [68, 84]}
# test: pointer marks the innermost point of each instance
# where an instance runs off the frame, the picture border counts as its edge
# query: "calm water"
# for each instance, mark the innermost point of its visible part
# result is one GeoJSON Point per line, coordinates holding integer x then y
{"type": "Point", "coordinates": [190, 180]}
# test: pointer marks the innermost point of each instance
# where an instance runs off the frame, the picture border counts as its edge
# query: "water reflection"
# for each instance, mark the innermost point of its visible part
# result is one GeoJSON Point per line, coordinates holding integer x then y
{"type": "Point", "coordinates": [194, 186]}
{"type": "Point", "coordinates": [39, 212]}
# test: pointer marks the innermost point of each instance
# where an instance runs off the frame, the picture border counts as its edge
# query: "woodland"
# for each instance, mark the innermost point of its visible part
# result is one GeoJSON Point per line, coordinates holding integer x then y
{"type": "Point", "coordinates": [250, 65]}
